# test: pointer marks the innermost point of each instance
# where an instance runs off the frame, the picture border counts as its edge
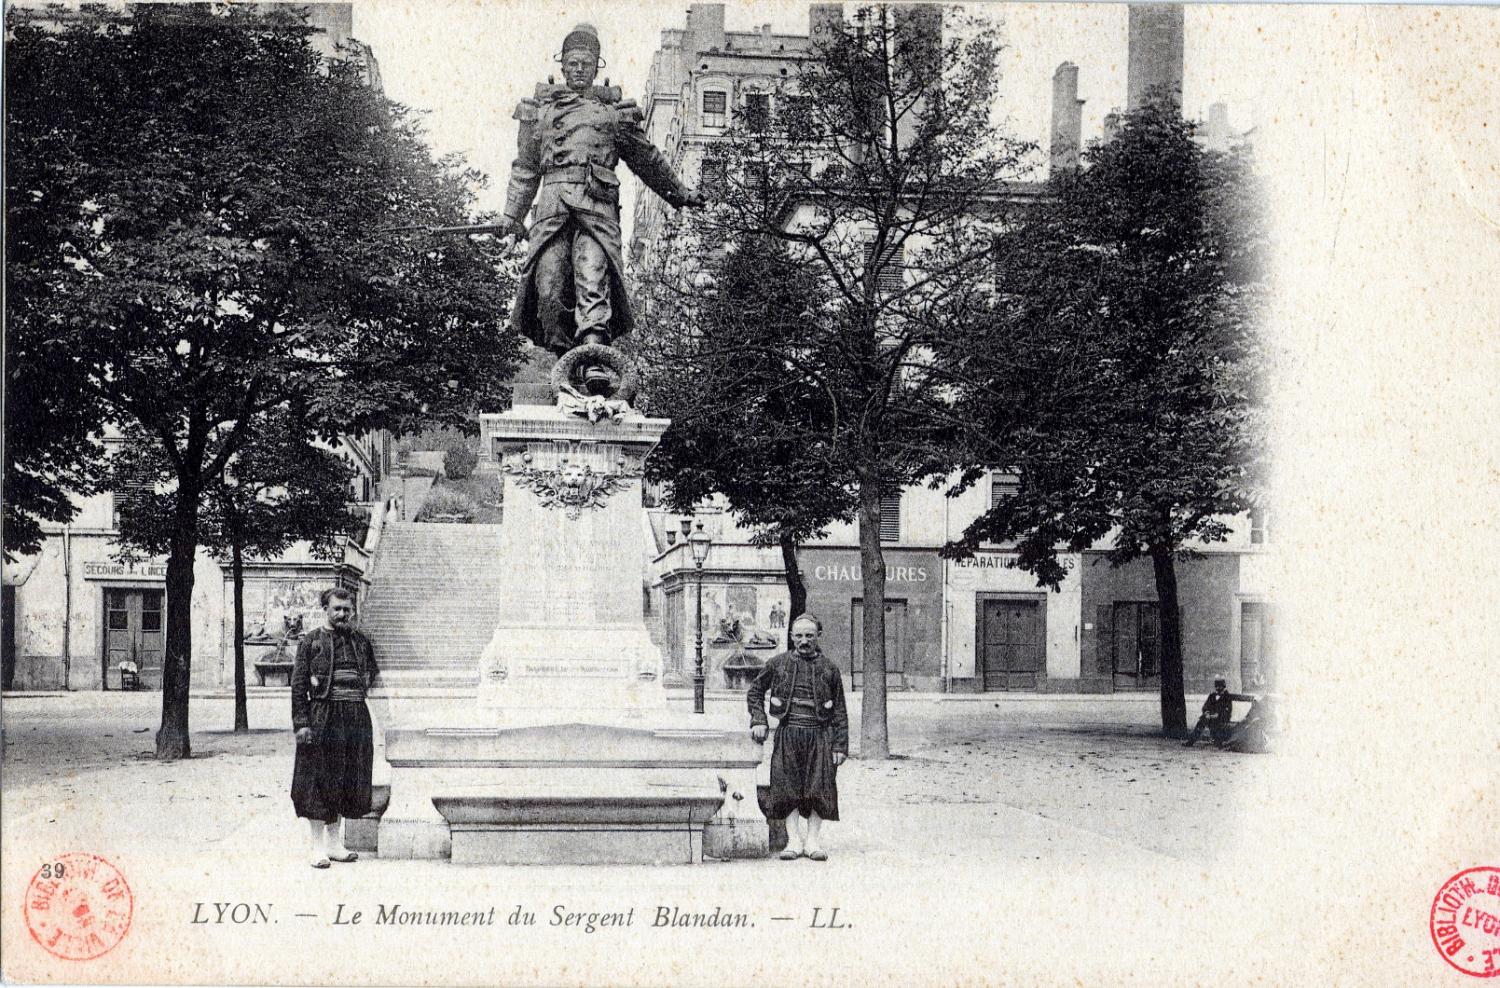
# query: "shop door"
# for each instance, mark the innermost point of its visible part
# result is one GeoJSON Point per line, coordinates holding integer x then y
{"type": "Point", "coordinates": [896, 644]}
{"type": "Point", "coordinates": [1137, 645]}
{"type": "Point", "coordinates": [134, 632]}
{"type": "Point", "coordinates": [1257, 671]}
{"type": "Point", "coordinates": [1012, 653]}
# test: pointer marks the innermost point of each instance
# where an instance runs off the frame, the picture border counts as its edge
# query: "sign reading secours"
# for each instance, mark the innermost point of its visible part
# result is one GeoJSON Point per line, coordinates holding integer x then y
{"type": "Point", "coordinates": [896, 574]}
{"type": "Point", "coordinates": [124, 569]}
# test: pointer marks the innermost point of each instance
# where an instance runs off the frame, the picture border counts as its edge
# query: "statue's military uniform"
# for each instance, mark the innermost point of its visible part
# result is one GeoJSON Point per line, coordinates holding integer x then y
{"type": "Point", "coordinates": [573, 279]}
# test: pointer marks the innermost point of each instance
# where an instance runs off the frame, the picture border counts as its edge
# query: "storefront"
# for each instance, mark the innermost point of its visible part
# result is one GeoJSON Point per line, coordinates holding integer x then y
{"type": "Point", "coordinates": [81, 616]}
{"type": "Point", "coordinates": [1007, 634]}
{"type": "Point", "coordinates": [1122, 631]}
{"type": "Point", "coordinates": [913, 613]}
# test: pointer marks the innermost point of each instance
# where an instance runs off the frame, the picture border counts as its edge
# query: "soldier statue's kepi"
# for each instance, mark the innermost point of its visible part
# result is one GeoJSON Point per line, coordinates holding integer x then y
{"type": "Point", "coordinates": [572, 290]}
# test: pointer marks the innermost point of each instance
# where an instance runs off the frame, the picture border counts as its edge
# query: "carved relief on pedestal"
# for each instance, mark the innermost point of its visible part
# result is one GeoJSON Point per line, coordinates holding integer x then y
{"type": "Point", "coordinates": [571, 474]}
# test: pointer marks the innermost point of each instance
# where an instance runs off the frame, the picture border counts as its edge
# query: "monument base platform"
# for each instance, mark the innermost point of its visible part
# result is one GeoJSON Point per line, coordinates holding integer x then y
{"type": "Point", "coordinates": [648, 825]}
{"type": "Point", "coordinates": [589, 790]}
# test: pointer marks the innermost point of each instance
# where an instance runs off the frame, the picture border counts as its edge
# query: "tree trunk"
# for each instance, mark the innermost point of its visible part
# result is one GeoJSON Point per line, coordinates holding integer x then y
{"type": "Point", "coordinates": [874, 740]}
{"type": "Point", "coordinates": [796, 587]}
{"type": "Point", "coordinates": [1173, 702]}
{"type": "Point", "coordinates": [241, 710]}
{"type": "Point", "coordinates": [172, 738]}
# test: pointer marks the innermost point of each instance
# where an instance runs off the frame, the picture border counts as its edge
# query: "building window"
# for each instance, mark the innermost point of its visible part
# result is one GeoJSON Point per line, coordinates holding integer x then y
{"type": "Point", "coordinates": [890, 515]}
{"type": "Point", "coordinates": [1259, 526]}
{"type": "Point", "coordinates": [795, 114]}
{"type": "Point", "coordinates": [757, 112]}
{"type": "Point", "coordinates": [756, 173]}
{"type": "Point", "coordinates": [711, 175]}
{"type": "Point", "coordinates": [1003, 487]}
{"type": "Point", "coordinates": [124, 496]}
{"type": "Point", "coordinates": [889, 273]}
{"type": "Point", "coordinates": [715, 108]}
{"type": "Point", "coordinates": [364, 484]}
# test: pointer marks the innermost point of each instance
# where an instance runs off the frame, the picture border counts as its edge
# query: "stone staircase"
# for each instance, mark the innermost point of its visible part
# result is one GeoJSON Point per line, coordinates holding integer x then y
{"type": "Point", "coordinates": [430, 610]}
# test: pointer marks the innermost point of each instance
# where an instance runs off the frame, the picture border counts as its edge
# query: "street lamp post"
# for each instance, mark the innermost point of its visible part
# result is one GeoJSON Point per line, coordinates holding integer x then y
{"type": "Point", "coordinates": [699, 542]}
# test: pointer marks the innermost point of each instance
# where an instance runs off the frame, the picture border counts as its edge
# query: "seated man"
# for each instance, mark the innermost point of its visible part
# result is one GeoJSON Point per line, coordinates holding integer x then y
{"type": "Point", "coordinates": [1218, 710]}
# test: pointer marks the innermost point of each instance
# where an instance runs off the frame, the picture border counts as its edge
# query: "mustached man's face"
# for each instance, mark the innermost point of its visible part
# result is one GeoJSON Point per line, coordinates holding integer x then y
{"type": "Point", "coordinates": [340, 612]}
{"type": "Point", "coordinates": [579, 67]}
{"type": "Point", "coordinates": [805, 637]}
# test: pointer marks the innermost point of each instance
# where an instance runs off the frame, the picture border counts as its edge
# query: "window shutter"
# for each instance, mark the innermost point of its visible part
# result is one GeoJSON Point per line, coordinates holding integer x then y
{"type": "Point", "coordinates": [711, 172]}
{"type": "Point", "coordinates": [1258, 526]}
{"type": "Point", "coordinates": [1002, 488]}
{"type": "Point", "coordinates": [715, 107]}
{"type": "Point", "coordinates": [890, 516]}
{"type": "Point", "coordinates": [891, 276]}
{"type": "Point", "coordinates": [757, 111]}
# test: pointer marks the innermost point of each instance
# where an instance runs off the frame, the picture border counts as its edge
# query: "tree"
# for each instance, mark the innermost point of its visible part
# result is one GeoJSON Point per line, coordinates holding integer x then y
{"type": "Point", "coordinates": [877, 173]}
{"type": "Point", "coordinates": [207, 193]}
{"type": "Point", "coordinates": [1121, 374]}
{"type": "Point", "coordinates": [280, 489]}
{"type": "Point", "coordinates": [745, 424]}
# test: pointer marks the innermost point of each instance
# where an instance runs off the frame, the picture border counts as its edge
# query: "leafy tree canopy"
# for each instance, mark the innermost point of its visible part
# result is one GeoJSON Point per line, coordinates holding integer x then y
{"type": "Point", "coordinates": [193, 247]}
{"type": "Point", "coordinates": [1121, 371]}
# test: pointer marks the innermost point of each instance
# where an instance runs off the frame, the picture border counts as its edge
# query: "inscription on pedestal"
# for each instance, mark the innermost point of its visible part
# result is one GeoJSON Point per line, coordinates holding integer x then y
{"type": "Point", "coordinates": [560, 669]}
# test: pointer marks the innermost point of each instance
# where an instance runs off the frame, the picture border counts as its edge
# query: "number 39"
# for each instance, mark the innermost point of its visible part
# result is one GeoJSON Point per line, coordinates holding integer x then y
{"type": "Point", "coordinates": [53, 870]}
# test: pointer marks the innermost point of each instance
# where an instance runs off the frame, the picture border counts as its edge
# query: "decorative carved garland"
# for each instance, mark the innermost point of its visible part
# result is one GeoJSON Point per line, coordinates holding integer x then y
{"type": "Point", "coordinates": [570, 487]}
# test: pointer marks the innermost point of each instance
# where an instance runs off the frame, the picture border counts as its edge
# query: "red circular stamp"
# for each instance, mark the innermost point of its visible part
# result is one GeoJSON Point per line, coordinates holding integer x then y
{"type": "Point", "coordinates": [78, 906]}
{"type": "Point", "coordinates": [1465, 922]}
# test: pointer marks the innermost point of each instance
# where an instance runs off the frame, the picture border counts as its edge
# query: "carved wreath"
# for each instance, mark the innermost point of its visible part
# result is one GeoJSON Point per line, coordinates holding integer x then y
{"type": "Point", "coordinates": [571, 487]}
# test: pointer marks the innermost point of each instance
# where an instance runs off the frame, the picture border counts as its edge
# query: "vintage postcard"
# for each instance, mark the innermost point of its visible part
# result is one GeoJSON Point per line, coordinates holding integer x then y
{"type": "Point", "coordinates": [553, 493]}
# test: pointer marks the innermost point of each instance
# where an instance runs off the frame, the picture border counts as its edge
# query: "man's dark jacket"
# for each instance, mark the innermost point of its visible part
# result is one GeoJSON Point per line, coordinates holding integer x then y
{"type": "Point", "coordinates": [314, 660]}
{"type": "Point", "coordinates": [1219, 707]}
{"type": "Point", "coordinates": [775, 678]}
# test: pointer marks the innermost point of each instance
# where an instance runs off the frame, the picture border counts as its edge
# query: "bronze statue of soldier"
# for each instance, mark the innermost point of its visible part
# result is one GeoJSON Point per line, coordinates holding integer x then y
{"type": "Point", "coordinates": [572, 290]}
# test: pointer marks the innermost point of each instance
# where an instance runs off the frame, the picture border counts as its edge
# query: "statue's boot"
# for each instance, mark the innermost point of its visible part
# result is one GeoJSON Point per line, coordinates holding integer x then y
{"type": "Point", "coordinates": [597, 379]}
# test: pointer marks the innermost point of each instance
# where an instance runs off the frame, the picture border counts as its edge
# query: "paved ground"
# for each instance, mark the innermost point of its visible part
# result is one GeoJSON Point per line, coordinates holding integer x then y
{"type": "Point", "coordinates": [1013, 778]}
{"type": "Point", "coordinates": [1009, 840]}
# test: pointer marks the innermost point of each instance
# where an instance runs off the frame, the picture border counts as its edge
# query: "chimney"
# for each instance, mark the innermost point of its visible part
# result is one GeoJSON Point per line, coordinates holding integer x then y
{"type": "Point", "coordinates": [1154, 54]}
{"type": "Point", "coordinates": [919, 29]}
{"type": "Point", "coordinates": [823, 18]}
{"type": "Point", "coordinates": [706, 25]}
{"type": "Point", "coordinates": [1067, 118]}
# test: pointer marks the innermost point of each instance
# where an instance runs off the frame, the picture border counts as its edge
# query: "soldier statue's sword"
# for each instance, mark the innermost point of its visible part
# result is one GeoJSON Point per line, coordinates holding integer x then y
{"type": "Point", "coordinates": [501, 228]}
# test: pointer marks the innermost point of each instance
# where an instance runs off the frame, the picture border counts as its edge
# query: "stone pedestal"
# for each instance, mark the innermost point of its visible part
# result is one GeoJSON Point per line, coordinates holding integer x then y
{"type": "Point", "coordinates": [571, 754]}
{"type": "Point", "coordinates": [571, 631]}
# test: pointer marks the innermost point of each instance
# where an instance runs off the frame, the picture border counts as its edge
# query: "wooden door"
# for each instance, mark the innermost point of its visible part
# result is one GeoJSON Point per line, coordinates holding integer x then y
{"type": "Point", "coordinates": [1136, 645]}
{"type": "Point", "coordinates": [1256, 672]}
{"type": "Point", "coordinates": [896, 645]}
{"type": "Point", "coordinates": [135, 631]}
{"type": "Point", "coordinates": [1012, 653]}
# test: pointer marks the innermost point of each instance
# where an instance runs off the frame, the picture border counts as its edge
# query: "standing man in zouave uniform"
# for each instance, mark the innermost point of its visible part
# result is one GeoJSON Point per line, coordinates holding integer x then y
{"type": "Point", "coordinates": [806, 693]}
{"type": "Point", "coordinates": [572, 289]}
